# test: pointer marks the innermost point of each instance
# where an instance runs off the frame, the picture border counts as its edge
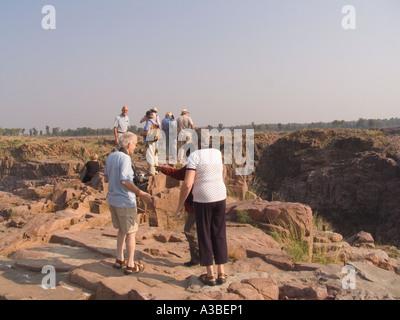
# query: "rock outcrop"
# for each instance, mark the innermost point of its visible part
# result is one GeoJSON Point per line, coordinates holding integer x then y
{"type": "Point", "coordinates": [269, 216]}
{"type": "Point", "coordinates": [351, 177]}
{"type": "Point", "coordinates": [83, 259]}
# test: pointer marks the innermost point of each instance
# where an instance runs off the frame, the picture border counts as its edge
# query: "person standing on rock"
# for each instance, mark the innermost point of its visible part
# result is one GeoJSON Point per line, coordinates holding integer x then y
{"type": "Point", "coordinates": [190, 224]}
{"type": "Point", "coordinates": [205, 173]}
{"type": "Point", "coordinates": [121, 124]}
{"type": "Point", "coordinates": [150, 135]}
{"type": "Point", "coordinates": [165, 126]}
{"type": "Point", "coordinates": [121, 198]}
{"type": "Point", "coordinates": [184, 125]}
{"type": "Point", "coordinates": [156, 117]}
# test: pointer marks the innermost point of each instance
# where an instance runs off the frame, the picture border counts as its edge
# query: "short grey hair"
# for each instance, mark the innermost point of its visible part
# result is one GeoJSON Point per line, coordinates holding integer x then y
{"type": "Point", "coordinates": [126, 139]}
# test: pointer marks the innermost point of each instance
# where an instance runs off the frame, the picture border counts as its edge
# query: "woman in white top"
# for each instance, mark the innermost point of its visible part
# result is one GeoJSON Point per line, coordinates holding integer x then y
{"type": "Point", "coordinates": [205, 172]}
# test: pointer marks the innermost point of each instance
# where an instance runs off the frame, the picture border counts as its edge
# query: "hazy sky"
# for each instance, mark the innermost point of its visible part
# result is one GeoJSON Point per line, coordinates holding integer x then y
{"type": "Point", "coordinates": [227, 61]}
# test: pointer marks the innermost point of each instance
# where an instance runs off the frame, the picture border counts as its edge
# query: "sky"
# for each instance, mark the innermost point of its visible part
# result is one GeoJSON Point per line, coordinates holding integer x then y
{"type": "Point", "coordinates": [227, 61]}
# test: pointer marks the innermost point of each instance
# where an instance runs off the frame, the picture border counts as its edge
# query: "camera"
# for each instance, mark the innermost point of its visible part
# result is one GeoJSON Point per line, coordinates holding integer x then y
{"type": "Point", "coordinates": [140, 180]}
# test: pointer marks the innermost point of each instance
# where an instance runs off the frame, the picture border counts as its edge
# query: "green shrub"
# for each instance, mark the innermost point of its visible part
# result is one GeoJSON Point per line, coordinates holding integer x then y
{"type": "Point", "coordinates": [242, 216]}
{"type": "Point", "coordinates": [293, 241]}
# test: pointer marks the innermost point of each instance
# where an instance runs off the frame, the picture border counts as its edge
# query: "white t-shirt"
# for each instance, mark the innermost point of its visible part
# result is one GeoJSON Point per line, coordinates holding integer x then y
{"type": "Point", "coordinates": [209, 182]}
{"type": "Point", "coordinates": [122, 123]}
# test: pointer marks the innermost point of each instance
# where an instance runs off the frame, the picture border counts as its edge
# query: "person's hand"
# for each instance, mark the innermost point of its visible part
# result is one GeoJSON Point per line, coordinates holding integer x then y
{"type": "Point", "coordinates": [158, 168]}
{"type": "Point", "coordinates": [147, 198]}
{"type": "Point", "coordinates": [180, 211]}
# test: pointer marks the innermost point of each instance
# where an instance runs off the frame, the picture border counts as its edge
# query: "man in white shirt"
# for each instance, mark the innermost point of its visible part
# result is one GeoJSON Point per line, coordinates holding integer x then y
{"type": "Point", "coordinates": [121, 124]}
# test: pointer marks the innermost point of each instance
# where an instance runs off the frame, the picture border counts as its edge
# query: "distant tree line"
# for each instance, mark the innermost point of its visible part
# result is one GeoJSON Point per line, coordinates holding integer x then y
{"type": "Point", "coordinates": [57, 132]}
{"type": "Point", "coordinates": [336, 124]}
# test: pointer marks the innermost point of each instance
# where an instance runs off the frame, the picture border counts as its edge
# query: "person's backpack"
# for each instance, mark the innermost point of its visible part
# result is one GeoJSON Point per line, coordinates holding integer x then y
{"type": "Point", "coordinates": [154, 132]}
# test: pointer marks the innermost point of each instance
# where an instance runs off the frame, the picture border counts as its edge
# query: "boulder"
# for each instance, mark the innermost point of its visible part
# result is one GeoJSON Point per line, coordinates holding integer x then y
{"type": "Point", "coordinates": [275, 212]}
{"type": "Point", "coordinates": [157, 184]}
{"type": "Point", "coordinates": [163, 212]}
{"type": "Point", "coordinates": [16, 222]}
{"type": "Point", "coordinates": [362, 239]}
{"type": "Point", "coordinates": [281, 215]}
{"type": "Point", "coordinates": [245, 291]}
{"type": "Point", "coordinates": [327, 236]}
{"type": "Point", "coordinates": [300, 290]}
{"type": "Point", "coordinates": [265, 286]}
{"type": "Point", "coordinates": [376, 257]}
{"type": "Point", "coordinates": [61, 197]}
{"type": "Point", "coordinates": [99, 206]}
{"type": "Point", "coordinates": [245, 241]}
{"type": "Point", "coordinates": [97, 182]}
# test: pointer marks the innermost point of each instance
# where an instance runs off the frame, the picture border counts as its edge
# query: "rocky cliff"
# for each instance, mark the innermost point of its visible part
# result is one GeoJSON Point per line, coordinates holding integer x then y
{"type": "Point", "coordinates": [350, 177]}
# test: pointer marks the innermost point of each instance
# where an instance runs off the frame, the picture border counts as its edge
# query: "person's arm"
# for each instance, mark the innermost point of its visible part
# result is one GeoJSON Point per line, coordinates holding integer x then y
{"type": "Point", "coordinates": [185, 190]}
{"type": "Point", "coordinates": [178, 174]}
{"type": "Point", "coordinates": [139, 193]}
{"type": "Point", "coordinates": [146, 129]}
{"type": "Point", "coordinates": [105, 175]}
{"type": "Point", "coordinates": [158, 122]}
{"type": "Point", "coordinates": [224, 172]}
{"type": "Point", "coordinates": [116, 136]}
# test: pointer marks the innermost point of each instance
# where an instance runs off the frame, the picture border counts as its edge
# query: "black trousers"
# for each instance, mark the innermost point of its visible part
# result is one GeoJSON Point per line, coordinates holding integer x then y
{"type": "Point", "coordinates": [211, 232]}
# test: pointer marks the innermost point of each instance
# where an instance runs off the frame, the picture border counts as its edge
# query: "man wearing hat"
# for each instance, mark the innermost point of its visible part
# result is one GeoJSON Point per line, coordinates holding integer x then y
{"type": "Point", "coordinates": [184, 123]}
{"type": "Point", "coordinates": [150, 138]}
{"type": "Point", "coordinates": [156, 118]}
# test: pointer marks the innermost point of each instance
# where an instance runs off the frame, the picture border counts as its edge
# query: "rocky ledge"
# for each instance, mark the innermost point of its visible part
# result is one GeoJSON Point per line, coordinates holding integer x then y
{"type": "Point", "coordinates": [82, 255]}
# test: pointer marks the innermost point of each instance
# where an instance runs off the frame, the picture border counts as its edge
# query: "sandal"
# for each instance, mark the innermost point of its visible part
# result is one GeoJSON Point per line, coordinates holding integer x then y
{"type": "Point", "coordinates": [210, 281]}
{"type": "Point", "coordinates": [119, 264]}
{"type": "Point", "coordinates": [221, 278]}
{"type": "Point", "coordinates": [137, 268]}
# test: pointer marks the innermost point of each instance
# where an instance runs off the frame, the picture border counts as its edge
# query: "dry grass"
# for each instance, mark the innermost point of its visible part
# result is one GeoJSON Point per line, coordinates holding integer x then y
{"type": "Point", "coordinates": [63, 148]}
{"type": "Point", "coordinates": [293, 241]}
